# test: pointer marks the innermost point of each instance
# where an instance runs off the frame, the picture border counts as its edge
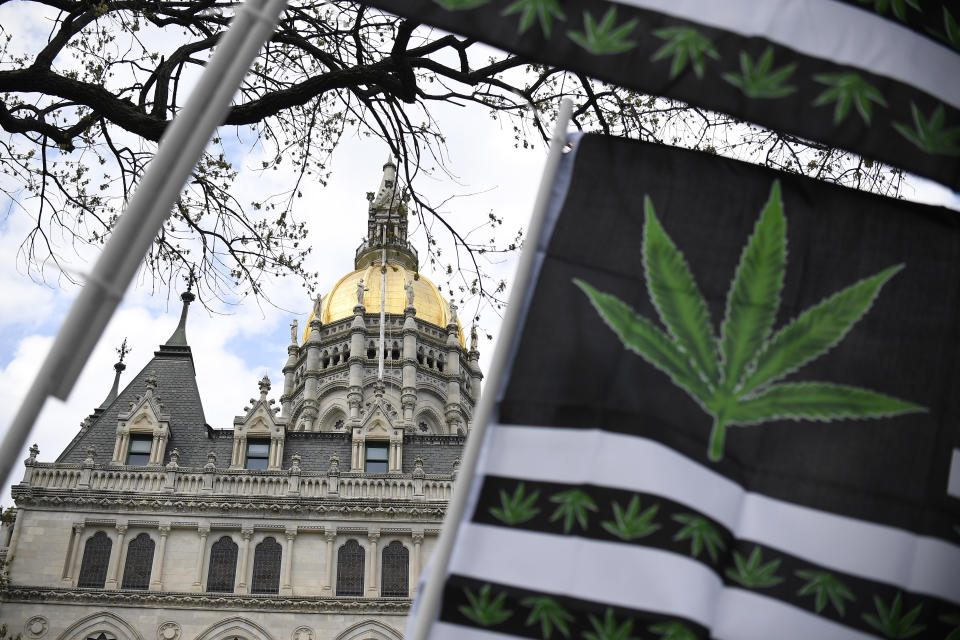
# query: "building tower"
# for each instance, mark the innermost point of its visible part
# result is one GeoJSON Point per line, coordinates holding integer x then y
{"type": "Point", "coordinates": [307, 519]}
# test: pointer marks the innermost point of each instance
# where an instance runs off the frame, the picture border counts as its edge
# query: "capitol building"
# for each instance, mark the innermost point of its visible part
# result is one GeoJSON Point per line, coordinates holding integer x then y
{"type": "Point", "coordinates": [308, 518]}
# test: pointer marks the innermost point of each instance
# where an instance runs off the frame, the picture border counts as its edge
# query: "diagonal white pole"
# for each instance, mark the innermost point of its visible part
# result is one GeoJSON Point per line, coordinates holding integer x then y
{"type": "Point", "coordinates": [180, 148]}
{"type": "Point", "coordinates": [428, 607]}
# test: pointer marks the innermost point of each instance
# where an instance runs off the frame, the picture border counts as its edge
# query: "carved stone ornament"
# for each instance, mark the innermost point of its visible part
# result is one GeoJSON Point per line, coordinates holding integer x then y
{"type": "Point", "coordinates": [36, 627]}
{"type": "Point", "coordinates": [168, 631]}
{"type": "Point", "coordinates": [302, 633]}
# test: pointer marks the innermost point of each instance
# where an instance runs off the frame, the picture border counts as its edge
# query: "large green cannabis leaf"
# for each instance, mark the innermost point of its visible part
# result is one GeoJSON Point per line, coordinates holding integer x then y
{"type": "Point", "coordinates": [732, 378]}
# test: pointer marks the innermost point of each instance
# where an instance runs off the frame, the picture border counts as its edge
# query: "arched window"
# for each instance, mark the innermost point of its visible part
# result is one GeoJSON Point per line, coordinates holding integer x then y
{"type": "Point", "coordinates": [223, 566]}
{"type": "Point", "coordinates": [96, 557]}
{"type": "Point", "coordinates": [395, 577]}
{"type": "Point", "coordinates": [136, 573]}
{"type": "Point", "coordinates": [350, 569]}
{"type": "Point", "coordinates": [266, 567]}
{"type": "Point", "coordinates": [371, 351]}
{"type": "Point", "coordinates": [395, 352]}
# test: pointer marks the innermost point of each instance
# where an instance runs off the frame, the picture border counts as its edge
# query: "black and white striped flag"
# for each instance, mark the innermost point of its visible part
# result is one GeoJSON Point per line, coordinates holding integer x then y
{"type": "Point", "coordinates": [732, 411]}
{"type": "Point", "coordinates": [878, 77]}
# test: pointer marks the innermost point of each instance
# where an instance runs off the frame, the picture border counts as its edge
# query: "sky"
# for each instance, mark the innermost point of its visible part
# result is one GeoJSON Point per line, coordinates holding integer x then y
{"type": "Point", "coordinates": [233, 350]}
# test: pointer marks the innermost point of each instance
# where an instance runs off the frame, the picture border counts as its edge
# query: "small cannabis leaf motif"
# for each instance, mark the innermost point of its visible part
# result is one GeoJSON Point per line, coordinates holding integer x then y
{"type": "Point", "coordinates": [461, 5]}
{"type": "Point", "coordinates": [631, 523]}
{"type": "Point", "coordinates": [753, 575]}
{"type": "Point", "coordinates": [825, 586]}
{"type": "Point", "coordinates": [930, 133]}
{"type": "Point", "coordinates": [702, 535]}
{"type": "Point", "coordinates": [951, 30]}
{"type": "Point", "coordinates": [758, 79]}
{"type": "Point", "coordinates": [732, 378]}
{"type": "Point", "coordinates": [482, 610]}
{"type": "Point", "coordinates": [516, 508]}
{"type": "Point", "coordinates": [848, 89]}
{"type": "Point", "coordinates": [953, 619]}
{"type": "Point", "coordinates": [573, 505]}
{"type": "Point", "coordinates": [541, 10]}
{"type": "Point", "coordinates": [684, 44]}
{"type": "Point", "coordinates": [889, 620]}
{"type": "Point", "coordinates": [899, 6]}
{"type": "Point", "coordinates": [609, 630]}
{"type": "Point", "coordinates": [673, 631]}
{"type": "Point", "coordinates": [605, 37]}
{"type": "Point", "coordinates": [549, 614]}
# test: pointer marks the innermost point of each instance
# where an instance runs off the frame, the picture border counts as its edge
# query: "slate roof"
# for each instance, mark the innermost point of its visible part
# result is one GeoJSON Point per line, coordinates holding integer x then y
{"type": "Point", "coordinates": [178, 393]}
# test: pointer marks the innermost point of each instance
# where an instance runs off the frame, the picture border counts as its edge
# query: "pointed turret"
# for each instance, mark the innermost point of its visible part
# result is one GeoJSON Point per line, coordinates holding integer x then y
{"type": "Point", "coordinates": [118, 368]}
{"type": "Point", "coordinates": [179, 336]}
{"type": "Point", "coordinates": [387, 224]}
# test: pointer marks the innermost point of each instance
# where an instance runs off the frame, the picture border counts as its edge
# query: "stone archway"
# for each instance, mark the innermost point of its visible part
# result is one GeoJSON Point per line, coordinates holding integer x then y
{"type": "Point", "coordinates": [106, 624]}
{"type": "Point", "coordinates": [370, 630]}
{"type": "Point", "coordinates": [235, 627]}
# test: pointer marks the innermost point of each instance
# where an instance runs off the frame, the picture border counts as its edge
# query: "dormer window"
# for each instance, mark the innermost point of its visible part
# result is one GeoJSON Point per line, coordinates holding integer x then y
{"type": "Point", "coordinates": [138, 450]}
{"type": "Point", "coordinates": [377, 457]}
{"type": "Point", "coordinates": [258, 454]}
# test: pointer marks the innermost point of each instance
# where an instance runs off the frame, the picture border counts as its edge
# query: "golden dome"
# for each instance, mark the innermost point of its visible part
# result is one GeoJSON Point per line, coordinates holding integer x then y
{"type": "Point", "coordinates": [430, 305]}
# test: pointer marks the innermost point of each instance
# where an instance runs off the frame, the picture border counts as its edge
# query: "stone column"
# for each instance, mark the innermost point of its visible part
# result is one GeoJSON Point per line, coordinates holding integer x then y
{"type": "Point", "coordinates": [372, 589]}
{"type": "Point", "coordinates": [408, 390]}
{"type": "Point", "coordinates": [154, 447]}
{"type": "Point", "coordinates": [113, 568]}
{"type": "Point", "coordinates": [330, 533]}
{"type": "Point", "coordinates": [415, 564]}
{"type": "Point", "coordinates": [156, 573]}
{"type": "Point", "coordinates": [204, 531]}
{"type": "Point", "coordinates": [118, 445]}
{"type": "Point", "coordinates": [286, 582]}
{"type": "Point", "coordinates": [76, 531]}
{"type": "Point", "coordinates": [289, 380]}
{"type": "Point", "coordinates": [241, 584]}
{"type": "Point", "coordinates": [78, 528]}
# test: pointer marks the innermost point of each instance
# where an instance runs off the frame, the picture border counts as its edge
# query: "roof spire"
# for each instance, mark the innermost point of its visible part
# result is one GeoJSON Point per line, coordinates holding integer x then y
{"type": "Point", "coordinates": [179, 337]}
{"type": "Point", "coordinates": [118, 368]}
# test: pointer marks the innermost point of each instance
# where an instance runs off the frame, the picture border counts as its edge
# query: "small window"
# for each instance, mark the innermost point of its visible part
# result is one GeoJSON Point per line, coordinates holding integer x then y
{"type": "Point", "coordinates": [136, 573]}
{"type": "Point", "coordinates": [258, 451]}
{"type": "Point", "coordinates": [395, 577]}
{"type": "Point", "coordinates": [138, 450]}
{"type": "Point", "coordinates": [266, 567]}
{"type": "Point", "coordinates": [376, 457]}
{"type": "Point", "coordinates": [350, 569]}
{"type": "Point", "coordinates": [223, 566]}
{"type": "Point", "coordinates": [96, 557]}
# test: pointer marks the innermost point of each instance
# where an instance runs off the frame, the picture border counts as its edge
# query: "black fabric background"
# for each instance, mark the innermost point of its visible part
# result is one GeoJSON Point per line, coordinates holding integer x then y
{"type": "Point", "coordinates": [571, 370]}
{"type": "Point", "coordinates": [634, 69]}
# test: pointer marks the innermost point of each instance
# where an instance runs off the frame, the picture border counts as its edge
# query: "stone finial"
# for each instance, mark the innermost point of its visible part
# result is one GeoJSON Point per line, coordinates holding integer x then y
{"type": "Point", "coordinates": [123, 350]}
{"type": "Point", "coordinates": [91, 455]}
{"type": "Point", "coordinates": [293, 331]}
{"type": "Point", "coordinates": [418, 467]}
{"type": "Point", "coordinates": [211, 461]}
{"type": "Point", "coordinates": [174, 459]}
{"type": "Point", "coordinates": [295, 462]}
{"type": "Point", "coordinates": [456, 464]}
{"type": "Point", "coordinates": [370, 195]}
{"type": "Point", "coordinates": [317, 306]}
{"type": "Point", "coordinates": [473, 337]}
{"type": "Point", "coordinates": [151, 381]}
{"type": "Point", "coordinates": [334, 464]}
{"type": "Point", "coordinates": [264, 385]}
{"type": "Point", "coordinates": [453, 312]}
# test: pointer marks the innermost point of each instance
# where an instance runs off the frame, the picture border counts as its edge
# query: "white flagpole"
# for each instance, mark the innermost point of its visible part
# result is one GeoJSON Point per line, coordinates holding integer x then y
{"type": "Point", "coordinates": [429, 605]}
{"type": "Point", "coordinates": [180, 148]}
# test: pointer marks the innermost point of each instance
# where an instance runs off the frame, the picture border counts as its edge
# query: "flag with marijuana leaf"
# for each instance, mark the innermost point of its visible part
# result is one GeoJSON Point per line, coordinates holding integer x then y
{"type": "Point", "coordinates": [732, 412]}
{"type": "Point", "coordinates": [877, 77]}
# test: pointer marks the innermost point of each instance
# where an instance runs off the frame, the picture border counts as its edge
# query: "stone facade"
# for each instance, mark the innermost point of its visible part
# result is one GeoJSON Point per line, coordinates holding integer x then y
{"type": "Point", "coordinates": [310, 518]}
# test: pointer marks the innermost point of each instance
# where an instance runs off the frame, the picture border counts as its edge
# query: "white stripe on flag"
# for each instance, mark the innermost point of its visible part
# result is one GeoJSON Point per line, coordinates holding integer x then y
{"type": "Point", "coordinates": [633, 577]}
{"type": "Point", "coordinates": [920, 564]}
{"type": "Point", "coordinates": [447, 631]}
{"type": "Point", "coordinates": [745, 615]}
{"type": "Point", "coordinates": [832, 31]}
